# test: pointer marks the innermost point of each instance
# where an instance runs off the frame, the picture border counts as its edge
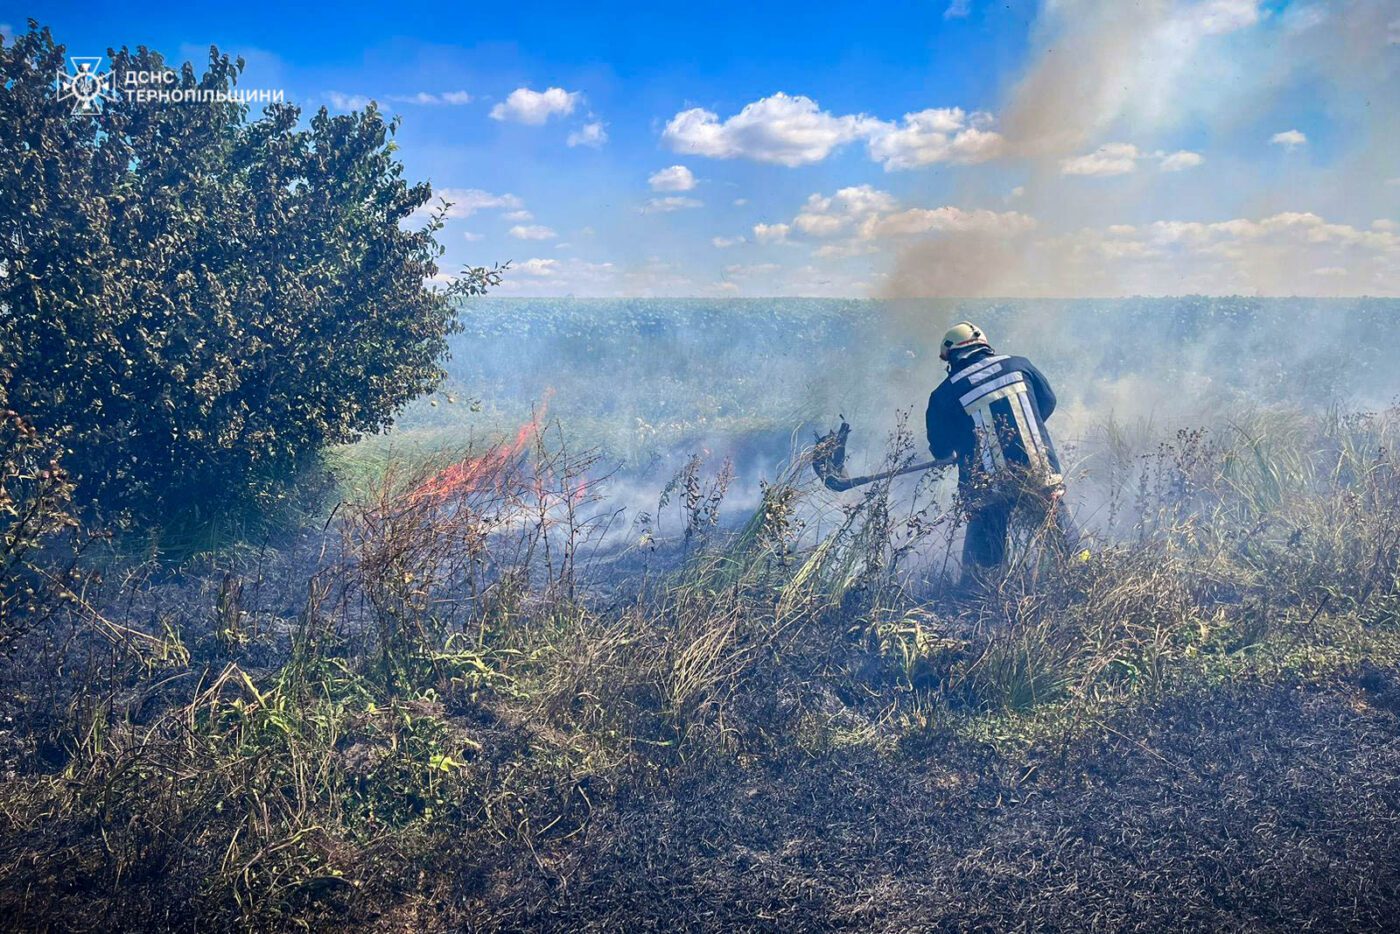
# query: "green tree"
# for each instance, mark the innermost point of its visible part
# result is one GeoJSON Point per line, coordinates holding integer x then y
{"type": "Point", "coordinates": [34, 493]}
{"type": "Point", "coordinates": [195, 303]}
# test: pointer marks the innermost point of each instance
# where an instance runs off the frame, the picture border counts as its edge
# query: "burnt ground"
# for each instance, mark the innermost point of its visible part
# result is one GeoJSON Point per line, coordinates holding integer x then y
{"type": "Point", "coordinates": [1255, 807]}
{"type": "Point", "coordinates": [1250, 808]}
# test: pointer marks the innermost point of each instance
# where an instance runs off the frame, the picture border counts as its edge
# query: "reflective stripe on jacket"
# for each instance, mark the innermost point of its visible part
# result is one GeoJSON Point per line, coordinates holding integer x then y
{"type": "Point", "coordinates": [990, 412]}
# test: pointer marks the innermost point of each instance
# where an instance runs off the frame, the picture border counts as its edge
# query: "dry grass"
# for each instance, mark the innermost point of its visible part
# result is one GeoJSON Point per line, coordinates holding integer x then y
{"type": "Point", "coordinates": [446, 706]}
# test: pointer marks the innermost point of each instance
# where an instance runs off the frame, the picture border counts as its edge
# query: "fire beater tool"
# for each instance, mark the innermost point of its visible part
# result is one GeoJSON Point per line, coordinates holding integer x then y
{"type": "Point", "coordinates": [829, 461]}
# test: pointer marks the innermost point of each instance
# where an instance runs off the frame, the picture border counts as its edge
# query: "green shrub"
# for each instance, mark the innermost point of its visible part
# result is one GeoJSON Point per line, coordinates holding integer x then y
{"type": "Point", "coordinates": [34, 500]}
{"type": "Point", "coordinates": [196, 303]}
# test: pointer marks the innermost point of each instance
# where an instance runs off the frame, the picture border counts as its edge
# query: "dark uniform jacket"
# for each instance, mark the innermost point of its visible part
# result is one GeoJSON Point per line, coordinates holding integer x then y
{"type": "Point", "coordinates": [990, 412]}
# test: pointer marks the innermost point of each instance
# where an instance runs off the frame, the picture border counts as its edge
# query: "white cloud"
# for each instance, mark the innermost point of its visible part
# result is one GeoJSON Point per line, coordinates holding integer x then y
{"type": "Point", "coordinates": [535, 107]}
{"type": "Point", "coordinates": [740, 202]}
{"type": "Point", "coordinates": [675, 178]}
{"type": "Point", "coordinates": [1122, 158]}
{"type": "Point", "coordinates": [793, 130]}
{"type": "Point", "coordinates": [783, 129]}
{"type": "Point", "coordinates": [532, 232]}
{"type": "Point", "coordinates": [471, 237]}
{"type": "Point", "coordinates": [927, 137]}
{"type": "Point", "coordinates": [592, 135]}
{"type": "Point", "coordinates": [536, 267]}
{"type": "Point", "coordinates": [669, 204]}
{"type": "Point", "coordinates": [1293, 226]}
{"type": "Point", "coordinates": [567, 276]}
{"type": "Point", "coordinates": [467, 201]}
{"type": "Point", "coordinates": [1216, 17]}
{"type": "Point", "coordinates": [1109, 159]}
{"type": "Point", "coordinates": [1289, 139]}
{"type": "Point", "coordinates": [753, 269]}
{"type": "Point", "coordinates": [341, 101]}
{"type": "Point", "coordinates": [957, 9]}
{"type": "Point", "coordinates": [826, 217]}
{"type": "Point", "coordinates": [859, 199]}
{"type": "Point", "coordinates": [1289, 253]}
{"type": "Point", "coordinates": [428, 99]}
{"type": "Point", "coordinates": [771, 233]}
{"type": "Point", "coordinates": [817, 224]}
{"type": "Point", "coordinates": [859, 220]}
{"type": "Point", "coordinates": [1181, 160]}
{"type": "Point", "coordinates": [862, 220]}
{"type": "Point", "coordinates": [724, 243]}
{"type": "Point", "coordinates": [915, 221]}
{"type": "Point", "coordinates": [518, 216]}
{"type": "Point", "coordinates": [464, 202]}
{"type": "Point", "coordinates": [841, 249]}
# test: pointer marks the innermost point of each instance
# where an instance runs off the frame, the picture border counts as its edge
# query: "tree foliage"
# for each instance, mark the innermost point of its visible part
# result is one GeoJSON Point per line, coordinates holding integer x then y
{"type": "Point", "coordinates": [34, 498]}
{"type": "Point", "coordinates": [195, 302]}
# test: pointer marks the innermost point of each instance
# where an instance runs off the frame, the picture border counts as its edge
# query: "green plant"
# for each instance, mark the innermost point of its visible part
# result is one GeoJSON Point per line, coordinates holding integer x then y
{"type": "Point", "coordinates": [35, 494]}
{"type": "Point", "coordinates": [196, 303]}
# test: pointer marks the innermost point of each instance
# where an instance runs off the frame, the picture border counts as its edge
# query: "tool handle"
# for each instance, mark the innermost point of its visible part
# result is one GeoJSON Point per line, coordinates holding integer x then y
{"type": "Point", "coordinates": [841, 484]}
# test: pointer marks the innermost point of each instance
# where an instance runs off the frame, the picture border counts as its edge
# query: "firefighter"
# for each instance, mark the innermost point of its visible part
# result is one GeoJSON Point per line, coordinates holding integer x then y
{"type": "Point", "coordinates": [989, 414]}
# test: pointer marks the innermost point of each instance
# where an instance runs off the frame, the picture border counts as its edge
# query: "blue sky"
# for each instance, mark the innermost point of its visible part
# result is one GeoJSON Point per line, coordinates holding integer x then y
{"type": "Point", "coordinates": [1064, 147]}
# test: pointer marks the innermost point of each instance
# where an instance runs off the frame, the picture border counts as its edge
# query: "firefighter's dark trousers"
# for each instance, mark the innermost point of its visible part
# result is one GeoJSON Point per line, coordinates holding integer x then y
{"type": "Point", "coordinates": [984, 542]}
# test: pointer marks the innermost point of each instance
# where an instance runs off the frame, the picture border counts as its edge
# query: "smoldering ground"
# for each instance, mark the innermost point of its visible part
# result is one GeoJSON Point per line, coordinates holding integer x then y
{"type": "Point", "coordinates": [431, 710]}
{"type": "Point", "coordinates": [654, 384]}
{"type": "Point", "coordinates": [436, 723]}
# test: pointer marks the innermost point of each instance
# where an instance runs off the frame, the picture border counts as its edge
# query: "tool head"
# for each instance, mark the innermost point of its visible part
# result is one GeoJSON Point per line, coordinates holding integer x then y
{"type": "Point", "coordinates": [829, 458]}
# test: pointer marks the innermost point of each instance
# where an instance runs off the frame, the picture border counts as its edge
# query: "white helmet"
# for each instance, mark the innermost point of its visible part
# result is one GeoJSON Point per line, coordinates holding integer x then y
{"type": "Point", "coordinates": [962, 336]}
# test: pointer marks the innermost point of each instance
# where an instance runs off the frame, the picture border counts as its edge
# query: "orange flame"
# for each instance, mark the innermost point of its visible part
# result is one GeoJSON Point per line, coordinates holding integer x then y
{"type": "Point", "coordinates": [471, 473]}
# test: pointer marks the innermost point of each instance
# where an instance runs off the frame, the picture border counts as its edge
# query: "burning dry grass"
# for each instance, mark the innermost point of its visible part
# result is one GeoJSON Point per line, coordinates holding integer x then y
{"type": "Point", "coordinates": [436, 718]}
